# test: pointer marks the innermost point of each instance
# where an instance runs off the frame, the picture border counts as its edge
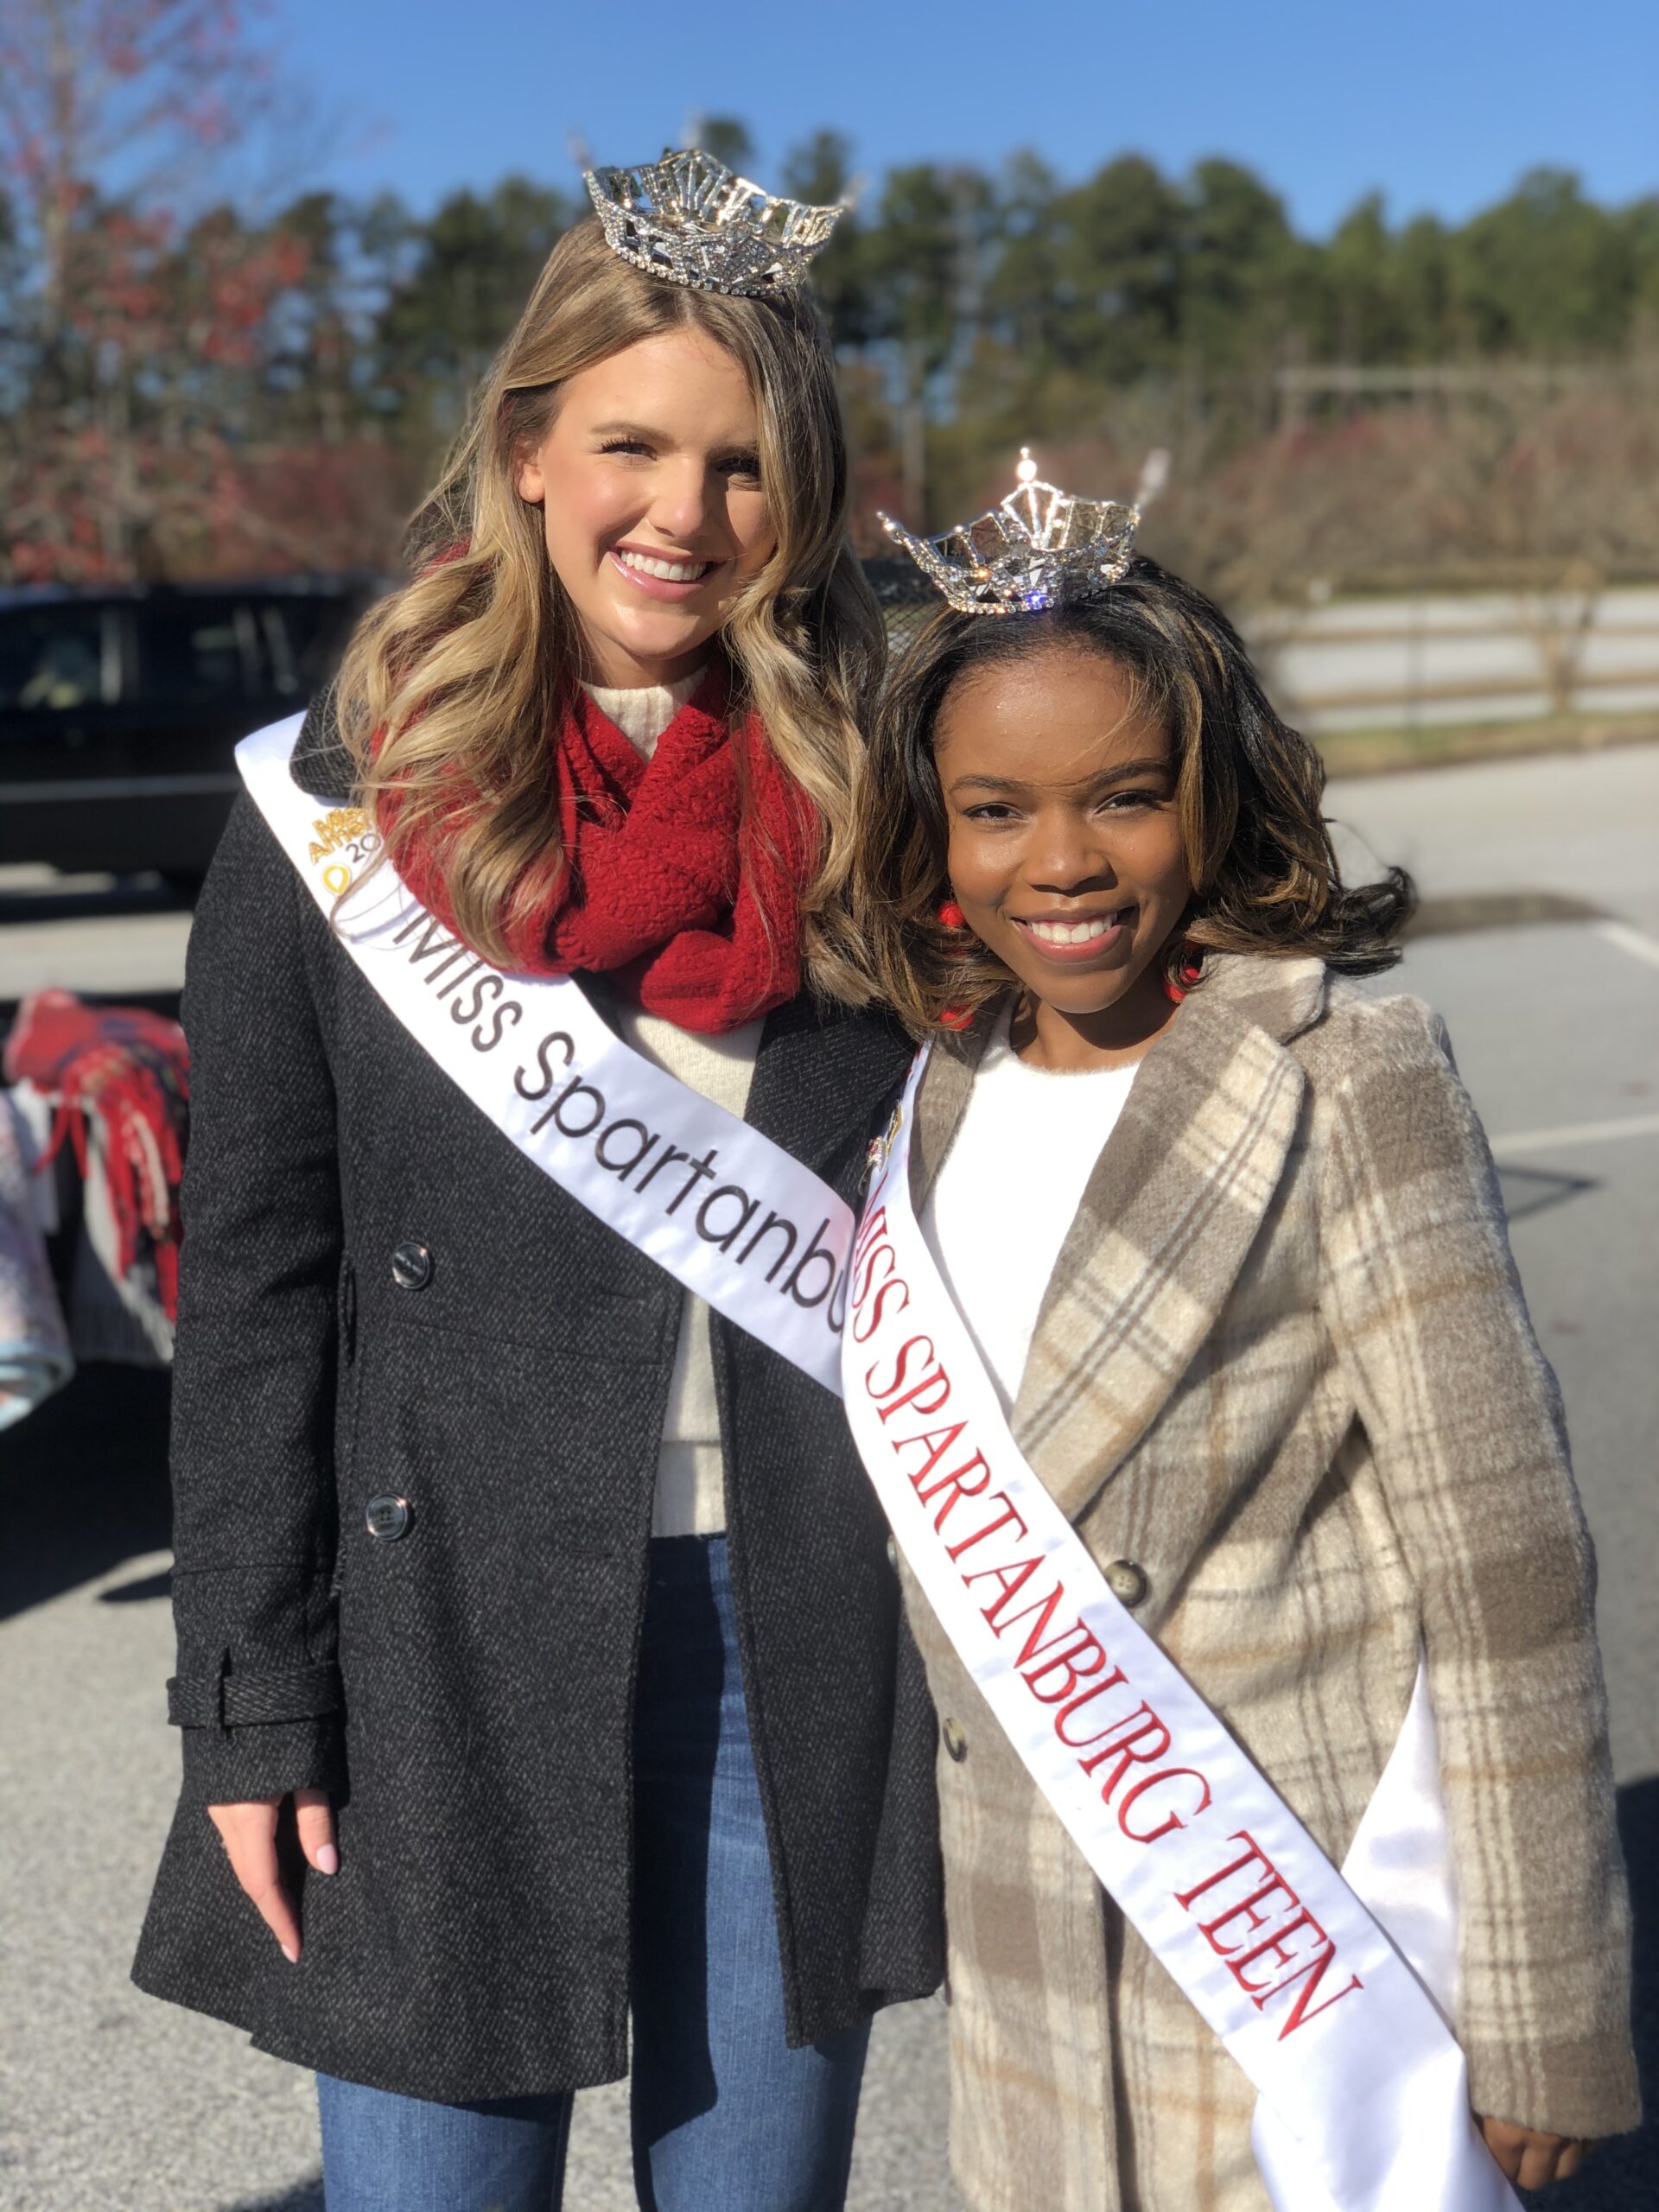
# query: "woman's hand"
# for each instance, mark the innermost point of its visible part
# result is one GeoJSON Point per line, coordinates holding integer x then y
{"type": "Point", "coordinates": [248, 1833]}
{"type": "Point", "coordinates": [1530, 2158]}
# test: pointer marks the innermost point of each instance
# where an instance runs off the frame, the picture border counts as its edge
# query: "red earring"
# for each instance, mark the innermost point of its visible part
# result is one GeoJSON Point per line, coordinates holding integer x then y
{"type": "Point", "coordinates": [952, 917]}
{"type": "Point", "coordinates": [1176, 987]}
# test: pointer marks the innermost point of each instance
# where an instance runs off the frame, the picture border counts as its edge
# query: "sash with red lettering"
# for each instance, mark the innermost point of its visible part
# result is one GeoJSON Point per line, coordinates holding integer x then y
{"type": "Point", "coordinates": [1362, 2098]}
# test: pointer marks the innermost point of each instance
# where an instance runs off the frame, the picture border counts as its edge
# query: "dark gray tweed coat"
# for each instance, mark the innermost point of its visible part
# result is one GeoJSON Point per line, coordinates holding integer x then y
{"type": "Point", "coordinates": [466, 1688]}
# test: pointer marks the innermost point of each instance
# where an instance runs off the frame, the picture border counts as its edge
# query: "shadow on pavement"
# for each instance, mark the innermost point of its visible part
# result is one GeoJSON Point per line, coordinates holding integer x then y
{"type": "Point", "coordinates": [307, 2197]}
{"type": "Point", "coordinates": [83, 1485]}
{"type": "Point", "coordinates": [1624, 2177]}
{"type": "Point", "coordinates": [132, 1593]}
{"type": "Point", "coordinates": [1534, 1190]}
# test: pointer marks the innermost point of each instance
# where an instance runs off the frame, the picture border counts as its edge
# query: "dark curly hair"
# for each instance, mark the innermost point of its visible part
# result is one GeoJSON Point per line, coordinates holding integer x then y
{"type": "Point", "coordinates": [1248, 790]}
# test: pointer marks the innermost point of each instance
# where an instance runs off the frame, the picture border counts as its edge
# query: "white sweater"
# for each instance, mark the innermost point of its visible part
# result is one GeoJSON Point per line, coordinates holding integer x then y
{"type": "Point", "coordinates": [690, 1498]}
{"type": "Point", "coordinates": [1008, 1191]}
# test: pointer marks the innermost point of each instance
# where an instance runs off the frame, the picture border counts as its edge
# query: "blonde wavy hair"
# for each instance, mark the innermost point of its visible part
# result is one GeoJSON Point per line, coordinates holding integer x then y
{"type": "Point", "coordinates": [457, 679]}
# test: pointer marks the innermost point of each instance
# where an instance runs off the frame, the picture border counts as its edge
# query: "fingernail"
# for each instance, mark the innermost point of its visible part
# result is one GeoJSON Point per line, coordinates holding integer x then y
{"type": "Point", "coordinates": [290, 1955]}
{"type": "Point", "coordinates": [327, 1860]}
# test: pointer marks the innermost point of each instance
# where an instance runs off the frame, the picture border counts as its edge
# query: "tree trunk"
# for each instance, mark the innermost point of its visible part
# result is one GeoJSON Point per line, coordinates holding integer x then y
{"type": "Point", "coordinates": [912, 440]}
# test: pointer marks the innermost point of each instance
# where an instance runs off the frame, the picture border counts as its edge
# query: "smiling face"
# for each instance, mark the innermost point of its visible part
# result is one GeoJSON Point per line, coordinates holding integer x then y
{"type": "Point", "coordinates": [654, 513]}
{"type": "Point", "coordinates": [1065, 851]}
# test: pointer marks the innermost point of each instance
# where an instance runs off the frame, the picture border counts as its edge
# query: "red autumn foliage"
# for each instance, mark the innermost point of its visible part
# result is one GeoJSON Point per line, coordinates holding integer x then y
{"type": "Point", "coordinates": [148, 438]}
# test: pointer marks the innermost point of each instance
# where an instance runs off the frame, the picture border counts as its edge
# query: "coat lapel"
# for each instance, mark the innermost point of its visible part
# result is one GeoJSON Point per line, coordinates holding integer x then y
{"type": "Point", "coordinates": [822, 1077]}
{"type": "Point", "coordinates": [1167, 1217]}
{"type": "Point", "coordinates": [321, 763]}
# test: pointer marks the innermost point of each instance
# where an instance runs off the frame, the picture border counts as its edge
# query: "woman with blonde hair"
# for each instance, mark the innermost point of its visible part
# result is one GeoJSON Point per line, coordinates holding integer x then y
{"type": "Point", "coordinates": [540, 1662]}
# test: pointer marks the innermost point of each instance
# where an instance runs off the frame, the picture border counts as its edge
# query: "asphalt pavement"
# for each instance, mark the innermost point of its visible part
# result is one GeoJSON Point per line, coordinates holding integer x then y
{"type": "Point", "coordinates": [1542, 898]}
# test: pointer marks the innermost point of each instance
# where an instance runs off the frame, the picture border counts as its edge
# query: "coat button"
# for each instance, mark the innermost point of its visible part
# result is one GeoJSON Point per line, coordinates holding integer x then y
{"type": "Point", "coordinates": [892, 1555]}
{"type": "Point", "coordinates": [955, 1742]}
{"type": "Point", "coordinates": [411, 1267]}
{"type": "Point", "coordinates": [1127, 1581]}
{"type": "Point", "coordinates": [387, 1517]}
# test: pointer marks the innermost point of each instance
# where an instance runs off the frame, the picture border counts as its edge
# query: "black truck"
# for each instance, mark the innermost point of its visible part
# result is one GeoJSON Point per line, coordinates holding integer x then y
{"type": "Point", "coordinates": [120, 708]}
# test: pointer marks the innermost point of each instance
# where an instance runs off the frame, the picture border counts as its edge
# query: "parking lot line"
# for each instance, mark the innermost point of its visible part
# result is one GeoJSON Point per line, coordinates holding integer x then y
{"type": "Point", "coordinates": [1637, 943]}
{"type": "Point", "coordinates": [1575, 1133]}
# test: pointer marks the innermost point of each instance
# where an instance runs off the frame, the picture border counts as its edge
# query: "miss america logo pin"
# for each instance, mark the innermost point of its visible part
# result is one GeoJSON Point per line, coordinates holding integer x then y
{"type": "Point", "coordinates": [881, 1146]}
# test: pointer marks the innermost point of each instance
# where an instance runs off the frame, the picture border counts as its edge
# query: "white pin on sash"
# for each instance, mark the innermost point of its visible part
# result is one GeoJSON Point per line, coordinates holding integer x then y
{"type": "Point", "coordinates": [1363, 2096]}
{"type": "Point", "coordinates": [725, 1210]}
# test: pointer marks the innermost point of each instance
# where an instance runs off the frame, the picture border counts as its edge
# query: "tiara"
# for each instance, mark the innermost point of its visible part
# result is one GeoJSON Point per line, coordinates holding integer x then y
{"type": "Point", "coordinates": [689, 220]}
{"type": "Point", "coordinates": [1036, 548]}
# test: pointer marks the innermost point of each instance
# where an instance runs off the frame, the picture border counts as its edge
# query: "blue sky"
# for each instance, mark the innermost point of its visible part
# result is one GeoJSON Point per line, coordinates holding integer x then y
{"type": "Point", "coordinates": [1440, 104]}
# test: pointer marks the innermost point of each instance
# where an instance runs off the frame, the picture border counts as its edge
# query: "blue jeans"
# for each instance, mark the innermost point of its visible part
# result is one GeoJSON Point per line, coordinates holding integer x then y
{"type": "Point", "coordinates": [725, 2115]}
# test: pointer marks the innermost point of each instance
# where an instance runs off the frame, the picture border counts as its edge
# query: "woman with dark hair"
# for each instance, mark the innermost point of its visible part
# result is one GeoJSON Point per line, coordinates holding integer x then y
{"type": "Point", "coordinates": [1225, 1238]}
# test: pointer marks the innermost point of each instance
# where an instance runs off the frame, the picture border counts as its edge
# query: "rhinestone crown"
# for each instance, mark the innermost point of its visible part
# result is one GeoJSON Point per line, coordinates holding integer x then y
{"type": "Point", "coordinates": [689, 220]}
{"type": "Point", "coordinates": [1038, 546]}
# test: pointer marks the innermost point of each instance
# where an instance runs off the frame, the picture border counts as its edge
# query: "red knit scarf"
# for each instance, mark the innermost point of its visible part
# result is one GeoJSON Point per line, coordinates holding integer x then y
{"type": "Point", "coordinates": [685, 894]}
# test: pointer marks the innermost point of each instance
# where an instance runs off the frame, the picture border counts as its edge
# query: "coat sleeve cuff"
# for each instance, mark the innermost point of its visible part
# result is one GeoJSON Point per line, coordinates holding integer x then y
{"type": "Point", "coordinates": [253, 1696]}
{"type": "Point", "coordinates": [228, 1766]}
{"type": "Point", "coordinates": [1585, 2091]}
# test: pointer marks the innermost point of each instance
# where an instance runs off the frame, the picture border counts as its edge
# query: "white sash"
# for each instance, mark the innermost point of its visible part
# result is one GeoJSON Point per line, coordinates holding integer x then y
{"type": "Point", "coordinates": [725, 1210]}
{"type": "Point", "coordinates": [1364, 2102]}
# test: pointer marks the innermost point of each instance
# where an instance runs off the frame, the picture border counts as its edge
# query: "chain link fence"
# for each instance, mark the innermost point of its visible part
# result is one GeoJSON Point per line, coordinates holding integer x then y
{"type": "Point", "coordinates": [905, 596]}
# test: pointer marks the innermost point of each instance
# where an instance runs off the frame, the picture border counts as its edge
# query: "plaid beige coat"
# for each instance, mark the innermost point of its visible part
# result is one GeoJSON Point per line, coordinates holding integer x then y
{"type": "Point", "coordinates": [1283, 1365]}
